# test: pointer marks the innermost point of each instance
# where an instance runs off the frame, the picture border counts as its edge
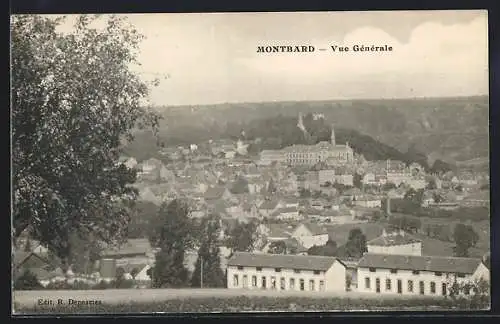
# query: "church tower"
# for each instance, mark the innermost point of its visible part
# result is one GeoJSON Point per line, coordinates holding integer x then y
{"type": "Point", "coordinates": [332, 137]}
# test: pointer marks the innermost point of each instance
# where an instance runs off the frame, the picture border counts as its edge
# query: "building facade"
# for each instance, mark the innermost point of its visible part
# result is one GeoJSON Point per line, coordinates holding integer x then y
{"type": "Point", "coordinates": [285, 272]}
{"type": "Point", "coordinates": [397, 243]}
{"type": "Point", "coordinates": [416, 275]}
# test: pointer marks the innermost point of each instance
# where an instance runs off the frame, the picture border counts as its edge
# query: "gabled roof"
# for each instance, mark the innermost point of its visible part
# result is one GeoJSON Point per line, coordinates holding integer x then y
{"type": "Point", "coordinates": [131, 247]}
{"type": "Point", "coordinates": [214, 192]}
{"type": "Point", "coordinates": [420, 263]}
{"type": "Point", "coordinates": [315, 229]}
{"type": "Point", "coordinates": [299, 262]}
{"type": "Point", "coordinates": [20, 257]}
{"type": "Point", "coordinates": [269, 204]}
{"type": "Point", "coordinates": [393, 240]}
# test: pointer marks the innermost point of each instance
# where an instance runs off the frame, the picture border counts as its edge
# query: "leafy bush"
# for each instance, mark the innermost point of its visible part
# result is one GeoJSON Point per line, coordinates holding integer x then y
{"type": "Point", "coordinates": [27, 281]}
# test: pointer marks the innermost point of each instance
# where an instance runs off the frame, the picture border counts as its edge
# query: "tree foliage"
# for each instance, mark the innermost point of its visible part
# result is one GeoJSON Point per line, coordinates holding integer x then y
{"type": "Point", "coordinates": [209, 256]}
{"type": "Point", "coordinates": [465, 237]}
{"type": "Point", "coordinates": [356, 243]}
{"type": "Point", "coordinates": [242, 237]}
{"type": "Point", "coordinates": [277, 247]}
{"type": "Point", "coordinates": [74, 99]}
{"type": "Point", "coordinates": [173, 238]}
{"type": "Point", "coordinates": [27, 281]}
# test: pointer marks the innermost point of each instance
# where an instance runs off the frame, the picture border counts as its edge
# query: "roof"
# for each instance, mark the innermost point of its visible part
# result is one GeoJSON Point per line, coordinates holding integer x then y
{"type": "Point", "coordinates": [20, 257]}
{"type": "Point", "coordinates": [214, 192]}
{"type": "Point", "coordinates": [299, 262]}
{"type": "Point", "coordinates": [393, 240]}
{"type": "Point", "coordinates": [315, 229]}
{"type": "Point", "coordinates": [421, 263]}
{"type": "Point", "coordinates": [132, 246]}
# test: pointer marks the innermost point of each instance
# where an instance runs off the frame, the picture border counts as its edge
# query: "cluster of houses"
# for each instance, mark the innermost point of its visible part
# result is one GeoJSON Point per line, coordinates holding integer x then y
{"type": "Point", "coordinates": [295, 195]}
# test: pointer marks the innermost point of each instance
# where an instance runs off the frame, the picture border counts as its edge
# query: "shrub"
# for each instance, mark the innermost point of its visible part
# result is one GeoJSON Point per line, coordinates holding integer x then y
{"type": "Point", "coordinates": [27, 281]}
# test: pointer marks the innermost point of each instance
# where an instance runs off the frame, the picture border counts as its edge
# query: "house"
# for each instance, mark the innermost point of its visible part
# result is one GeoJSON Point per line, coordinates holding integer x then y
{"type": "Point", "coordinates": [44, 270]}
{"type": "Point", "coordinates": [134, 251]}
{"type": "Point", "coordinates": [310, 234]}
{"type": "Point", "coordinates": [287, 213]}
{"type": "Point", "coordinates": [398, 242]}
{"type": "Point", "coordinates": [341, 216]}
{"type": "Point", "coordinates": [368, 201]}
{"type": "Point", "coordinates": [416, 275]}
{"type": "Point", "coordinates": [326, 175]}
{"type": "Point", "coordinates": [270, 206]}
{"type": "Point", "coordinates": [215, 193]}
{"type": "Point", "coordinates": [345, 179]}
{"type": "Point", "coordinates": [285, 272]}
{"type": "Point", "coordinates": [477, 199]}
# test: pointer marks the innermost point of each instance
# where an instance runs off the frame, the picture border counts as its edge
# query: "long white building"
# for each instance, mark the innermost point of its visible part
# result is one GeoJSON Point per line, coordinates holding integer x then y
{"type": "Point", "coordinates": [285, 272]}
{"type": "Point", "coordinates": [416, 275]}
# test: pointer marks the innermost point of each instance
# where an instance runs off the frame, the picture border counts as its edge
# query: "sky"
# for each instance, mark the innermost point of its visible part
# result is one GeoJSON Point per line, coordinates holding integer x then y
{"type": "Point", "coordinates": [212, 58]}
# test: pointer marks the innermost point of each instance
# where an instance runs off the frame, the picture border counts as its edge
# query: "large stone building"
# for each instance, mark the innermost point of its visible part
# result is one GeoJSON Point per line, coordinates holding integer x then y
{"type": "Point", "coordinates": [285, 272]}
{"type": "Point", "coordinates": [416, 275]}
{"type": "Point", "coordinates": [328, 152]}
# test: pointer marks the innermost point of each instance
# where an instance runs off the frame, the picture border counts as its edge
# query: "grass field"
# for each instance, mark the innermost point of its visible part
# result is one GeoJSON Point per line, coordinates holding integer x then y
{"type": "Point", "coordinates": [219, 300]}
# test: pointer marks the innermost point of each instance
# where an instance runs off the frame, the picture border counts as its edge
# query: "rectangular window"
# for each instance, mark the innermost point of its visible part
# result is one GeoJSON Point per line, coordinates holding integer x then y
{"type": "Point", "coordinates": [240, 268]}
{"type": "Point", "coordinates": [394, 271]}
{"type": "Point", "coordinates": [245, 281]}
{"type": "Point", "coordinates": [292, 283]}
{"type": "Point", "coordinates": [410, 286]}
{"type": "Point", "coordinates": [321, 285]}
{"type": "Point", "coordinates": [433, 287]}
{"type": "Point", "coordinates": [367, 283]}
{"type": "Point", "coordinates": [263, 282]}
{"type": "Point", "coordinates": [373, 270]}
{"type": "Point", "coordinates": [416, 272]}
{"type": "Point", "coordinates": [311, 285]}
{"type": "Point", "coordinates": [387, 284]}
{"type": "Point", "coordinates": [282, 283]}
{"type": "Point", "coordinates": [443, 289]}
{"type": "Point", "coordinates": [273, 282]}
{"type": "Point", "coordinates": [422, 288]}
{"type": "Point", "coordinates": [316, 272]}
{"type": "Point", "coordinates": [296, 271]}
{"type": "Point", "coordinates": [277, 269]}
{"type": "Point", "coordinates": [461, 275]}
{"type": "Point", "coordinates": [302, 285]}
{"type": "Point", "coordinates": [254, 281]}
{"type": "Point", "coordinates": [438, 274]}
{"type": "Point", "coordinates": [235, 280]}
{"type": "Point", "coordinates": [259, 268]}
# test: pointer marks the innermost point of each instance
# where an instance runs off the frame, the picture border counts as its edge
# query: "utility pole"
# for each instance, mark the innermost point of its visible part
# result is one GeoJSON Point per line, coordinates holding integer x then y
{"type": "Point", "coordinates": [201, 271]}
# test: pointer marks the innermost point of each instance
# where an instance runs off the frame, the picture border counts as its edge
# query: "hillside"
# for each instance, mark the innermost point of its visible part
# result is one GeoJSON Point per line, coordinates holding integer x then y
{"type": "Point", "coordinates": [451, 129]}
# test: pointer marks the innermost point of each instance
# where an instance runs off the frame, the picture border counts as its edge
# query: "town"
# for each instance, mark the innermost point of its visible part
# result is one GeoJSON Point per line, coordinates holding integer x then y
{"type": "Point", "coordinates": [316, 217]}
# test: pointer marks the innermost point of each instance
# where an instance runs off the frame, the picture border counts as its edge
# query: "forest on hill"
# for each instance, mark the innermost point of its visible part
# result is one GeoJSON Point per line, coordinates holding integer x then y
{"type": "Point", "coordinates": [450, 129]}
{"type": "Point", "coordinates": [281, 131]}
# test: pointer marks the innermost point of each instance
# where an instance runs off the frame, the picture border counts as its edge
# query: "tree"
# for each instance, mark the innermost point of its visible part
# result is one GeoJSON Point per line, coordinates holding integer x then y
{"type": "Point", "coordinates": [357, 180]}
{"type": "Point", "coordinates": [74, 99]}
{"type": "Point", "coordinates": [134, 272]}
{"type": "Point", "coordinates": [242, 237]}
{"type": "Point", "coordinates": [415, 196]}
{"type": "Point", "coordinates": [27, 281]}
{"type": "Point", "coordinates": [431, 185]}
{"type": "Point", "coordinates": [356, 243]}
{"type": "Point", "coordinates": [278, 247]}
{"type": "Point", "coordinates": [465, 237]}
{"type": "Point", "coordinates": [209, 256]}
{"type": "Point", "coordinates": [174, 237]}
{"type": "Point", "coordinates": [437, 198]}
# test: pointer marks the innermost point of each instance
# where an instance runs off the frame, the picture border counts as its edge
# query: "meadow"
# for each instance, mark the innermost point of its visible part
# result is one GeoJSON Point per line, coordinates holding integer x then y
{"type": "Point", "coordinates": [223, 300]}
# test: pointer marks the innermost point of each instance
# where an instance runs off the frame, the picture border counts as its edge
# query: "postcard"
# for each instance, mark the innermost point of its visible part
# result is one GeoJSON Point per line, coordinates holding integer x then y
{"type": "Point", "coordinates": [250, 162]}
